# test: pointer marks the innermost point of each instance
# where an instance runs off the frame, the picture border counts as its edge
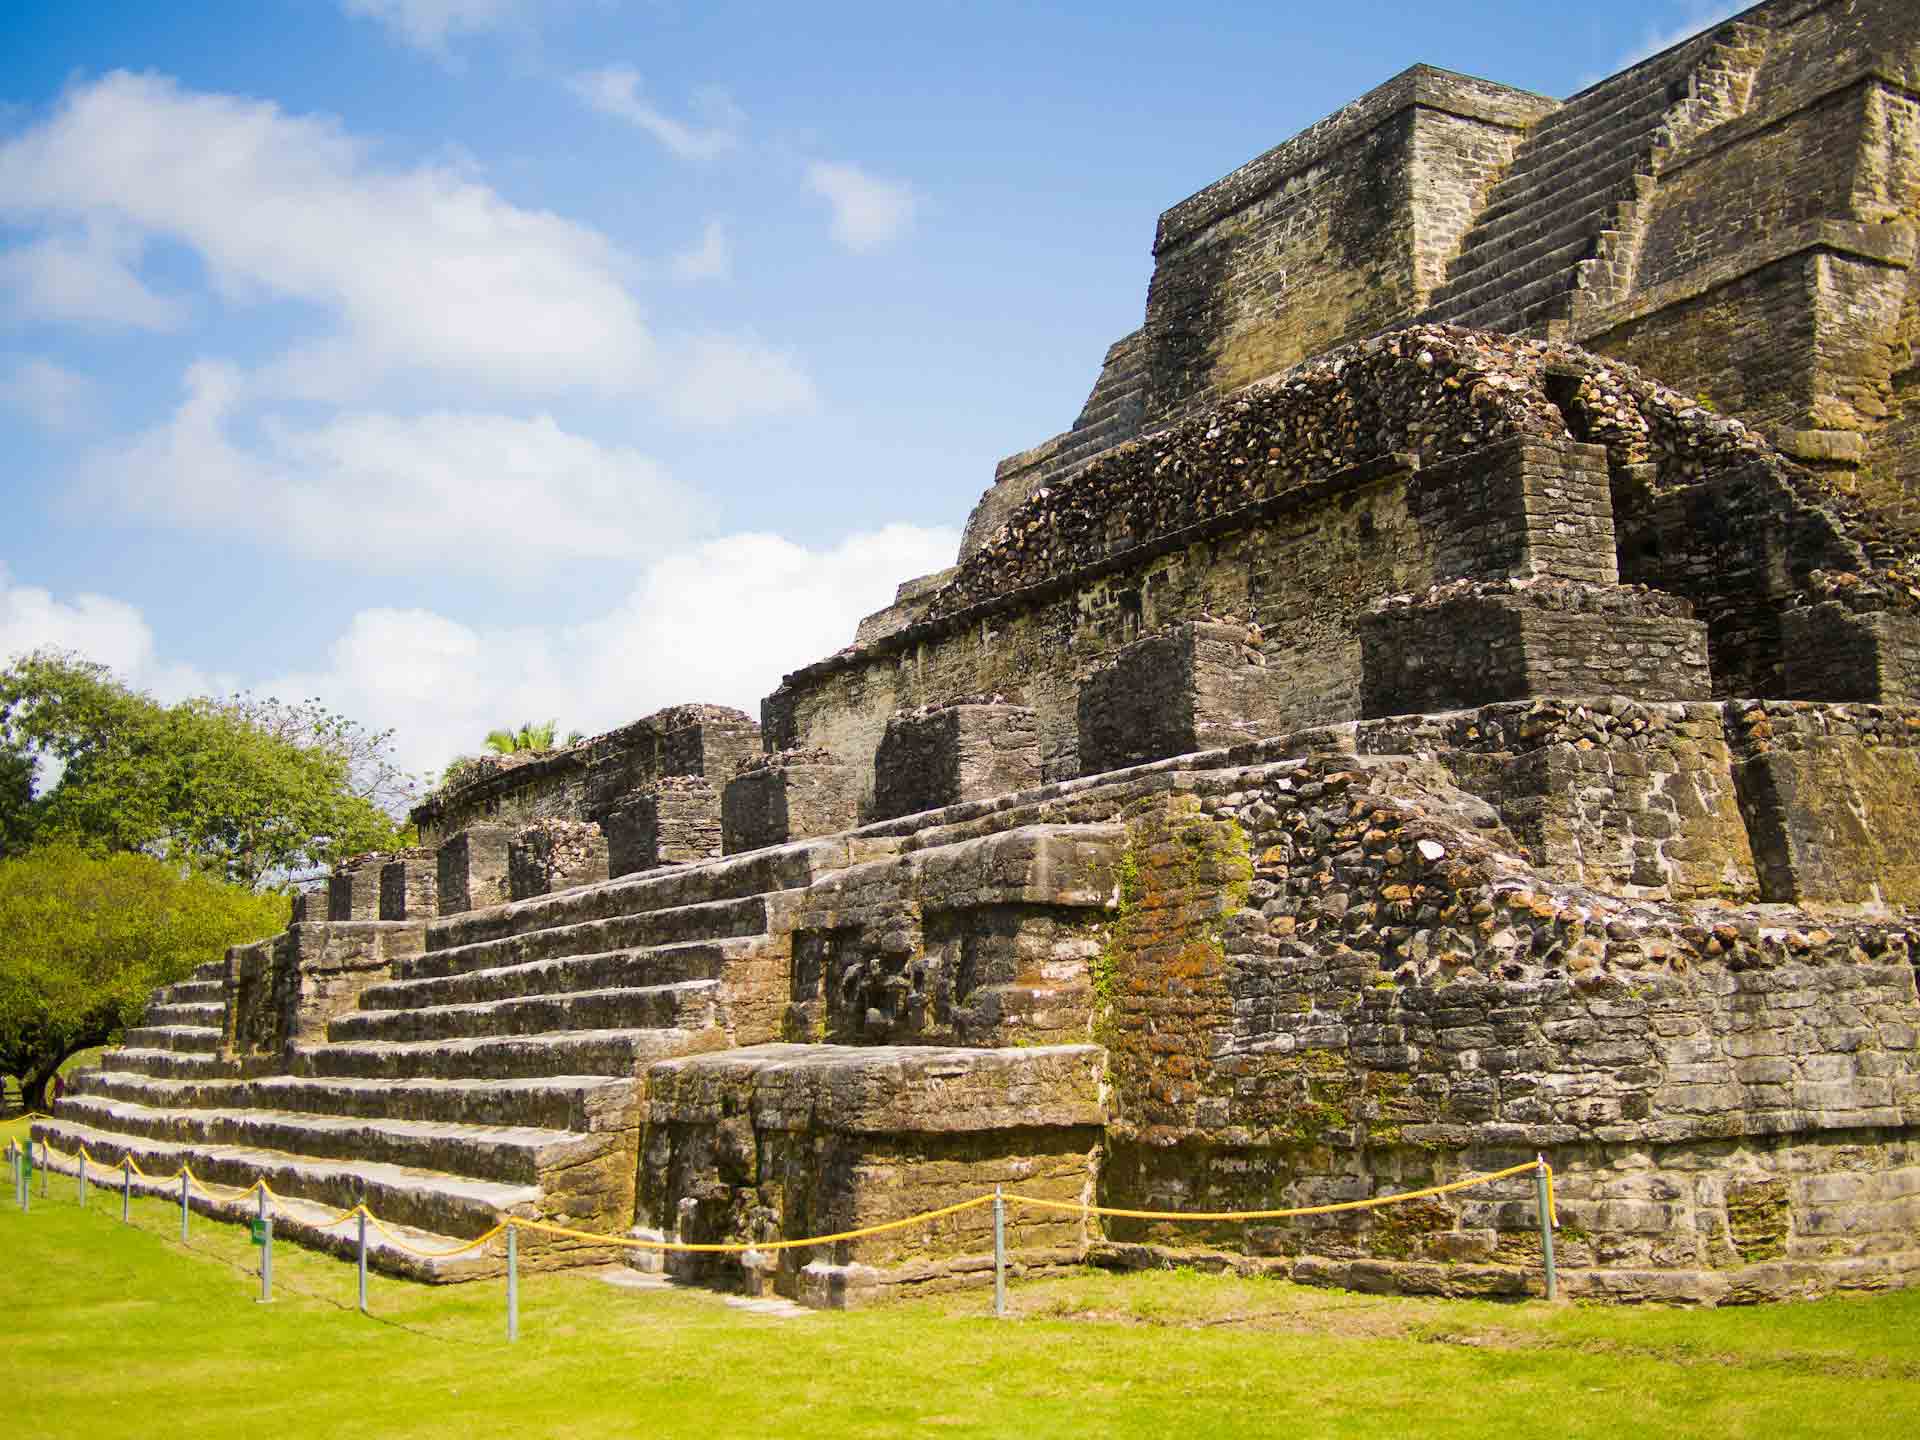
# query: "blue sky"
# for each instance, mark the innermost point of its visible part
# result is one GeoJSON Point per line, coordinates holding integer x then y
{"type": "Point", "coordinates": [471, 361]}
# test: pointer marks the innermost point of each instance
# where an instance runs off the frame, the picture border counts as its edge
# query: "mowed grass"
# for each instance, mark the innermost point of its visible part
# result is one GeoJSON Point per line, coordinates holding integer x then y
{"type": "Point", "coordinates": [119, 1329]}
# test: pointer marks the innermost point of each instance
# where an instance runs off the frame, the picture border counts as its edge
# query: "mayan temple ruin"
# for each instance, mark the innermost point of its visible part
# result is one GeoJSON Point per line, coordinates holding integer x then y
{"type": "Point", "coordinates": [1452, 694]}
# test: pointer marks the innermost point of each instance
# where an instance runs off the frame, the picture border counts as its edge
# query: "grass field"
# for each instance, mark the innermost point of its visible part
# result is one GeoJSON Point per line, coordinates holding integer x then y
{"type": "Point", "coordinates": [118, 1330]}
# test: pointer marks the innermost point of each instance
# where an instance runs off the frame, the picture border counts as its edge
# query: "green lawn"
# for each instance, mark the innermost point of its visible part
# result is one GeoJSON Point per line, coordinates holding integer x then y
{"type": "Point", "coordinates": [118, 1330]}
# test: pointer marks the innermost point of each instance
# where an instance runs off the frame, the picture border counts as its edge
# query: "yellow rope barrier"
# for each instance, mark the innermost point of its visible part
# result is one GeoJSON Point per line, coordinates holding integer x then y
{"type": "Point", "coordinates": [736, 1247]}
{"type": "Point", "coordinates": [1235, 1215]}
{"type": "Point", "coordinates": [397, 1243]}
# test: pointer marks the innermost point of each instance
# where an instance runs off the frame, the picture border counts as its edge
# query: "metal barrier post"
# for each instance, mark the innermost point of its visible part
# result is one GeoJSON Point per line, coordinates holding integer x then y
{"type": "Point", "coordinates": [126, 1189]}
{"type": "Point", "coordinates": [363, 1258]}
{"type": "Point", "coordinates": [1546, 1226]}
{"type": "Point", "coordinates": [513, 1282]}
{"type": "Point", "coordinates": [999, 1255]}
{"type": "Point", "coordinates": [26, 1177]}
{"type": "Point", "coordinates": [266, 1246]}
{"type": "Point", "coordinates": [183, 1203]}
{"type": "Point", "coordinates": [45, 1157]}
{"type": "Point", "coordinates": [82, 1172]}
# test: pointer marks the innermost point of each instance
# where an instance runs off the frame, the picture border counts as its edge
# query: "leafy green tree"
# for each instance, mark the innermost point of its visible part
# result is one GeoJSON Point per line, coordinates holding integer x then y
{"type": "Point", "coordinates": [85, 938]}
{"type": "Point", "coordinates": [243, 789]}
{"type": "Point", "coordinates": [529, 737]}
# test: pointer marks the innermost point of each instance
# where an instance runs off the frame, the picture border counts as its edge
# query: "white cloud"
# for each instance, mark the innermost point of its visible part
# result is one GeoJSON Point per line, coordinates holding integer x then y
{"type": "Point", "coordinates": [87, 275]}
{"type": "Point", "coordinates": [46, 393]}
{"type": "Point", "coordinates": [720, 621]}
{"type": "Point", "coordinates": [429, 24]}
{"type": "Point", "coordinates": [615, 91]}
{"type": "Point", "coordinates": [868, 213]}
{"type": "Point", "coordinates": [711, 259]}
{"type": "Point", "coordinates": [103, 629]}
{"type": "Point", "coordinates": [483, 493]}
{"type": "Point", "coordinates": [720, 379]}
{"type": "Point", "coordinates": [422, 267]}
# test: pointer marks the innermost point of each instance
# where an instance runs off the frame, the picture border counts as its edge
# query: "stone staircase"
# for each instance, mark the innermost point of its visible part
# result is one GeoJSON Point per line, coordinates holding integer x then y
{"type": "Point", "coordinates": [1563, 227]}
{"type": "Point", "coordinates": [496, 1072]}
{"type": "Point", "coordinates": [1113, 410]}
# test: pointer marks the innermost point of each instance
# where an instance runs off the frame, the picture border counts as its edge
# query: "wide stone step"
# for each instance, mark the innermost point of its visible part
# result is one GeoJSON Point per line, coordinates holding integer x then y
{"type": "Point", "coordinates": [562, 1102]}
{"type": "Point", "coordinates": [1549, 198]}
{"type": "Point", "coordinates": [1545, 237]}
{"type": "Point", "coordinates": [181, 1039]}
{"type": "Point", "coordinates": [1549, 232]}
{"type": "Point", "coordinates": [168, 1063]}
{"type": "Point", "coordinates": [509, 1153]}
{"type": "Point", "coordinates": [761, 872]}
{"type": "Point", "coordinates": [712, 920]}
{"type": "Point", "coordinates": [211, 970]}
{"type": "Point", "coordinates": [196, 1014]}
{"type": "Point", "coordinates": [1496, 277]}
{"type": "Point", "coordinates": [191, 992]}
{"type": "Point", "coordinates": [658, 965]}
{"type": "Point", "coordinates": [392, 1251]}
{"type": "Point", "coordinates": [576, 1052]}
{"type": "Point", "coordinates": [688, 1005]}
{"type": "Point", "coordinates": [1641, 114]}
{"type": "Point", "coordinates": [1507, 305]}
{"type": "Point", "coordinates": [430, 1200]}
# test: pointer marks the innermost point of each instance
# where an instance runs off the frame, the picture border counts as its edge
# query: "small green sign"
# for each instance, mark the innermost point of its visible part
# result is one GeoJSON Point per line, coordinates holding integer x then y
{"type": "Point", "coordinates": [259, 1228]}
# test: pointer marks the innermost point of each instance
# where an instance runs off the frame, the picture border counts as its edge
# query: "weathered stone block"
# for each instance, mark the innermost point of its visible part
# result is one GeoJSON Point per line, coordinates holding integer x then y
{"type": "Point", "coordinates": [312, 903]}
{"type": "Point", "coordinates": [1468, 645]}
{"type": "Point", "coordinates": [1830, 792]}
{"type": "Point", "coordinates": [677, 821]}
{"type": "Point", "coordinates": [553, 855]}
{"type": "Point", "coordinates": [945, 754]}
{"type": "Point", "coordinates": [410, 885]}
{"type": "Point", "coordinates": [1832, 653]}
{"type": "Point", "coordinates": [1200, 685]}
{"type": "Point", "coordinates": [473, 869]}
{"type": "Point", "coordinates": [983, 942]}
{"type": "Point", "coordinates": [783, 1141]}
{"type": "Point", "coordinates": [353, 890]}
{"type": "Point", "coordinates": [788, 795]}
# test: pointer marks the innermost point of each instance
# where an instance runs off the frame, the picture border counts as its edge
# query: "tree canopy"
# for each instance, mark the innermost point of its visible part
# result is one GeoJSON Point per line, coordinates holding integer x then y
{"type": "Point", "coordinates": [85, 938]}
{"type": "Point", "coordinates": [242, 788]}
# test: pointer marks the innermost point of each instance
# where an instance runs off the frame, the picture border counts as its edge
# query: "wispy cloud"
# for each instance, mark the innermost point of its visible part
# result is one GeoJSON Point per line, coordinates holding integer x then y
{"type": "Point", "coordinates": [424, 268]}
{"type": "Point", "coordinates": [615, 91]}
{"type": "Point", "coordinates": [444, 492]}
{"type": "Point", "coordinates": [429, 24]}
{"type": "Point", "coordinates": [711, 259]}
{"type": "Point", "coordinates": [48, 394]}
{"type": "Point", "coordinates": [720, 379]}
{"type": "Point", "coordinates": [87, 274]}
{"type": "Point", "coordinates": [869, 213]}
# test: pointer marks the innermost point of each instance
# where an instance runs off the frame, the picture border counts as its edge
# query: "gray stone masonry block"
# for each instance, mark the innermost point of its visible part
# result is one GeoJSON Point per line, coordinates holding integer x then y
{"type": "Point", "coordinates": [410, 885]}
{"type": "Point", "coordinates": [953, 753]}
{"type": "Point", "coordinates": [1459, 647]}
{"type": "Point", "coordinates": [553, 855]}
{"type": "Point", "coordinates": [473, 869]}
{"type": "Point", "coordinates": [789, 795]}
{"type": "Point", "coordinates": [312, 903]}
{"type": "Point", "coordinates": [1832, 653]}
{"type": "Point", "coordinates": [353, 890]}
{"type": "Point", "coordinates": [1198, 686]}
{"type": "Point", "coordinates": [677, 822]}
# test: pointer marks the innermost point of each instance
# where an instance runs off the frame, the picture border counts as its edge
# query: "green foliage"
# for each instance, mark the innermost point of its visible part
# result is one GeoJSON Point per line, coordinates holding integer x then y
{"type": "Point", "coordinates": [85, 938]}
{"type": "Point", "coordinates": [529, 737]}
{"type": "Point", "coordinates": [242, 788]}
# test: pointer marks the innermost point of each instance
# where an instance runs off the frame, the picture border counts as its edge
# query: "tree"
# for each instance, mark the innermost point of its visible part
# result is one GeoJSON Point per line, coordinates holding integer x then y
{"type": "Point", "coordinates": [529, 737]}
{"type": "Point", "coordinates": [372, 772]}
{"type": "Point", "coordinates": [242, 789]}
{"type": "Point", "coordinates": [85, 938]}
